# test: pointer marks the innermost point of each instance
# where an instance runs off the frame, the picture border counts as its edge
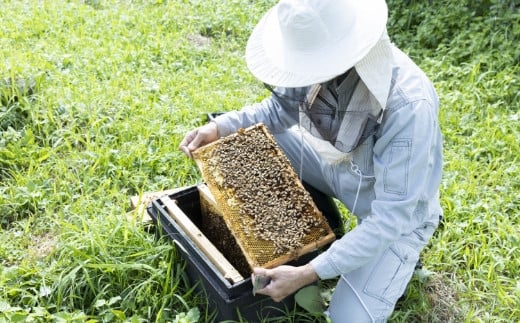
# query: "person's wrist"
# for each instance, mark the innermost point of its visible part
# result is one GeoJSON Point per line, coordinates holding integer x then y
{"type": "Point", "coordinates": [308, 274]}
{"type": "Point", "coordinates": [213, 124]}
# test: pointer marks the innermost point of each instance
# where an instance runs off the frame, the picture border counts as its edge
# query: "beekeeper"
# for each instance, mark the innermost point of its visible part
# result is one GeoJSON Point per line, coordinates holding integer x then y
{"type": "Point", "coordinates": [358, 120]}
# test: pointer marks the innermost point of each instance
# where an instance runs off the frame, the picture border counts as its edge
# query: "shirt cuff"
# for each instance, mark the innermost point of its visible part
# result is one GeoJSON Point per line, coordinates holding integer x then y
{"type": "Point", "coordinates": [223, 126]}
{"type": "Point", "coordinates": [324, 267]}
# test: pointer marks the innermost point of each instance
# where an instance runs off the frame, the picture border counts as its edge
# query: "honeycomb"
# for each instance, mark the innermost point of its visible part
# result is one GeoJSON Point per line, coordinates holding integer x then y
{"type": "Point", "coordinates": [215, 229]}
{"type": "Point", "coordinates": [266, 208]}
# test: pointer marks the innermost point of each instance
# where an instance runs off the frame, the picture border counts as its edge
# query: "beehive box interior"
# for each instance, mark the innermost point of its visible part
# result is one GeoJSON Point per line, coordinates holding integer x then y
{"type": "Point", "coordinates": [264, 205]}
{"type": "Point", "coordinates": [216, 230]}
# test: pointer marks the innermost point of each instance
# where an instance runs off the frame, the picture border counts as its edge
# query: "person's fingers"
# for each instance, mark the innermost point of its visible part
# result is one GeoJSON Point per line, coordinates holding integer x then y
{"type": "Point", "coordinates": [277, 299]}
{"type": "Point", "coordinates": [186, 151]}
{"type": "Point", "coordinates": [197, 141]}
{"type": "Point", "coordinates": [259, 271]}
{"type": "Point", "coordinates": [261, 281]}
{"type": "Point", "coordinates": [184, 146]}
{"type": "Point", "coordinates": [198, 138]}
{"type": "Point", "coordinates": [188, 138]}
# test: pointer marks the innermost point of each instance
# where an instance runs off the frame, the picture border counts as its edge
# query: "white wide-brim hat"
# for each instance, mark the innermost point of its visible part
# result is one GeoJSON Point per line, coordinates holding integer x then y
{"type": "Point", "coordinates": [303, 42]}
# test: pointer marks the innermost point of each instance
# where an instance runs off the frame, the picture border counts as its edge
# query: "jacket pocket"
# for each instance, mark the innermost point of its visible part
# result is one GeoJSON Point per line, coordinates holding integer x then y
{"type": "Point", "coordinates": [391, 275]}
{"type": "Point", "coordinates": [396, 171]}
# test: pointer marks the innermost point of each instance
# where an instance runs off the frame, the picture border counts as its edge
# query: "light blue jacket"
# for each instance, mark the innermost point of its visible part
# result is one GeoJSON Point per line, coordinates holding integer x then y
{"type": "Point", "coordinates": [401, 166]}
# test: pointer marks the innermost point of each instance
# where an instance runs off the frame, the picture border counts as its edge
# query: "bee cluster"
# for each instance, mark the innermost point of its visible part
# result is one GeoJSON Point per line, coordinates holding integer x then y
{"type": "Point", "coordinates": [263, 184]}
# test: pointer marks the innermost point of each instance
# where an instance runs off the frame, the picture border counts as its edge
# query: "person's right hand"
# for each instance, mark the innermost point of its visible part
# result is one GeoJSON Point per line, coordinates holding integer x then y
{"type": "Point", "coordinates": [199, 137]}
{"type": "Point", "coordinates": [285, 280]}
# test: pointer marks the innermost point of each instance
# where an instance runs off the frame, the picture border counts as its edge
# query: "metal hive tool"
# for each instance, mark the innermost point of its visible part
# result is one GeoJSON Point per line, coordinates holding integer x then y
{"type": "Point", "coordinates": [266, 208]}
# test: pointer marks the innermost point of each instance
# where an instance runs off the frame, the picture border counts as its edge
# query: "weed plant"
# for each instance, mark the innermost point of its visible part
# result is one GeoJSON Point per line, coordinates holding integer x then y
{"type": "Point", "coordinates": [96, 95]}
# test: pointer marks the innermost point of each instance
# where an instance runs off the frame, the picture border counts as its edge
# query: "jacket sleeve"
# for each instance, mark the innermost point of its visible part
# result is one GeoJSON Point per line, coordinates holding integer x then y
{"type": "Point", "coordinates": [407, 160]}
{"type": "Point", "coordinates": [278, 112]}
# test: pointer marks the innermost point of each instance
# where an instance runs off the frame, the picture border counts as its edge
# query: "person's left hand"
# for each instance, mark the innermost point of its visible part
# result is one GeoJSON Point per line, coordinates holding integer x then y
{"type": "Point", "coordinates": [285, 280]}
{"type": "Point", "coordinates": [198, 137]}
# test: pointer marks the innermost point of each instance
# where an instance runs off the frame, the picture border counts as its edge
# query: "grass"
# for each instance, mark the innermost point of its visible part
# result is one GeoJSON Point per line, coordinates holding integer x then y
{"type": "Point", "coordinates": [116, 84]}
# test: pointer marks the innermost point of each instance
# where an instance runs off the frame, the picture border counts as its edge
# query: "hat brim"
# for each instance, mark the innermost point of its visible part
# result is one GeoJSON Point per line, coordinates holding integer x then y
{"type": "Point", "coordinates": [274, 63]}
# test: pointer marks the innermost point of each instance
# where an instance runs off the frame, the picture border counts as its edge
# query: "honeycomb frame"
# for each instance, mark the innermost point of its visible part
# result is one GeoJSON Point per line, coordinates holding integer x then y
{"type": "Point", "coordinates": [268, 211]}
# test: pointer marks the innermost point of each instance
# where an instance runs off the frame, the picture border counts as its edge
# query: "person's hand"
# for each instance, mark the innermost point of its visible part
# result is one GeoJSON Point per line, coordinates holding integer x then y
{"type": "Point", "coordinates": [285, 280]}
{"type": "Point", "coordinates": [199, 137]}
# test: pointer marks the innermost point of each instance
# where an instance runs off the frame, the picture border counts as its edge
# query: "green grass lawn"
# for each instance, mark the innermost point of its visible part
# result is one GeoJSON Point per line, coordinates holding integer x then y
{"type": "Point", "coordinates": [96, 95]}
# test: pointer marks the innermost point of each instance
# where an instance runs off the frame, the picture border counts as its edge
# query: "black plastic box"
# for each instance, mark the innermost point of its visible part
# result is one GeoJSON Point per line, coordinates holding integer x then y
{"type": "Point", "coordinates": [228, 301]}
